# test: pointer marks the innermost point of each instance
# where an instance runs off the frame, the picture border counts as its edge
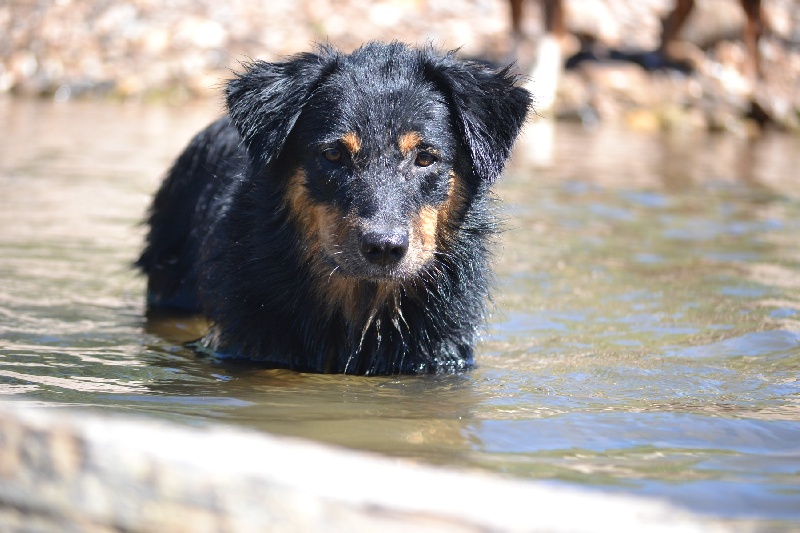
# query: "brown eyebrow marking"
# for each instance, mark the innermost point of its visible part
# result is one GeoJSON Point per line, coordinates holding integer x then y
{"type": "Point", "coordinates": [351, 141]}
{"type": "Point", "coordinates": [408, 141]}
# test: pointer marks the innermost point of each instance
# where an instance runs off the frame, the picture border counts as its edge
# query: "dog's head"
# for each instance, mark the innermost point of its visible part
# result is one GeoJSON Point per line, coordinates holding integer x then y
{"type": "Point", "coordinates": [380, 152]}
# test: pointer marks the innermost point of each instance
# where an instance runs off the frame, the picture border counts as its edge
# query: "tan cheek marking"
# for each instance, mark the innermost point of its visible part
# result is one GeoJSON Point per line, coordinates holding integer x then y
{"type": "Point", "coordinates": [303, 210]}
{"type": "Point", "coordinates": [332, 227]}
{"type": "Point", "coordinates": [433, 226]}
{"type": "Point", "coordinates": [310, 218]}
{"type": "Point", "coordinates": [427, 222]}
{"type": "Point", "coordinates": [452, 207]}
{"type": "Point", "coordinates": [325, 230]}
{"type": "Point", "coordinates": [408, 141]}
{"type": "Point", "coordinates": [423, 236]}
{"type": "Point", "coordinates": [352, 142]}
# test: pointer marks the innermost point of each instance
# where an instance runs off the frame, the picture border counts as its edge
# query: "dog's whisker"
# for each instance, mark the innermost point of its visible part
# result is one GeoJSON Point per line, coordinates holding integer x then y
{"type": "Point", "coordinates": [332, 272]}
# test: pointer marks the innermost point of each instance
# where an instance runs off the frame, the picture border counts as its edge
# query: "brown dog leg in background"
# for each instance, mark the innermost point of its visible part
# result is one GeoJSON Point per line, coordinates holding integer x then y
{"type": "Point", "coordinates": [752, 31]}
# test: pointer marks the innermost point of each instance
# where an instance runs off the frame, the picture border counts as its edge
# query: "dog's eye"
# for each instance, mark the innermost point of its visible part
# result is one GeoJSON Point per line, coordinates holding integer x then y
{"type": "Point", "coordinates": [334, 155]}
{"type": "Point", "coordinates": [425, 159]}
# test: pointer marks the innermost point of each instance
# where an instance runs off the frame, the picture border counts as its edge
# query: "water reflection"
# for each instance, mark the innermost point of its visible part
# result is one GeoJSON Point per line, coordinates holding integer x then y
{"type": "Point", "coordinates": [645, 336]}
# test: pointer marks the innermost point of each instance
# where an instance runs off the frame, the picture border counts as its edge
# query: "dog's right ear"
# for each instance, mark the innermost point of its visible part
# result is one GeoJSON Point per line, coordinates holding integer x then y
{"type": "Point", "coordinates": [265, 101]}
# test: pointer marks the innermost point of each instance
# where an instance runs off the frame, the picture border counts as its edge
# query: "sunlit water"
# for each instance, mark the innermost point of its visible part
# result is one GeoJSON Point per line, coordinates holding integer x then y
{"type": "Point", "coordinates": [644, 340]}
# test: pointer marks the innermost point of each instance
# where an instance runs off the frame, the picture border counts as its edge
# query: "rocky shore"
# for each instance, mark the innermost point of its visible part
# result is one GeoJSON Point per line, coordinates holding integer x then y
{"type": "Point", "coordinates": [183, 49]}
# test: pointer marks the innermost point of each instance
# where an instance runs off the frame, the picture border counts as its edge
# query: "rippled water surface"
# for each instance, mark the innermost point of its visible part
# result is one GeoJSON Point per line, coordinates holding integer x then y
{"type": "Point", "coordinates": [645, 337]}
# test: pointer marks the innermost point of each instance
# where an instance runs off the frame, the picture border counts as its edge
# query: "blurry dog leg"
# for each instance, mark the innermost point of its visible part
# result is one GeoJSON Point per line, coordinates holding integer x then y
{"type": "Point", "coordinates": [516, 30]}
{"type": "Point", "coordinates": [673, 25]}
{"type": "Point", "coordinates": [753, 30]}
{"type": "Point", "coordinates": [762, 111]}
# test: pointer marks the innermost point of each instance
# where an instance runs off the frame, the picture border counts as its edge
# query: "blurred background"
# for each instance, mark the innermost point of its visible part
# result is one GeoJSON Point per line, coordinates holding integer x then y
{"type": "Point", "coordinates": [183, 49]}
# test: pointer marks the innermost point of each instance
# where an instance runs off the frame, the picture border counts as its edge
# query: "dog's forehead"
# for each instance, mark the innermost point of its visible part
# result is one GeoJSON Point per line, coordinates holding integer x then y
{"type": "Point", "coordinates": [381, 104]}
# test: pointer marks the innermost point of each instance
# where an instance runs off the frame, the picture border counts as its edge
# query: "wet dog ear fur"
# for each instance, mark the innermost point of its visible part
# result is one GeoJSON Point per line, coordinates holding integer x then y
{"type": "Point", "coordinates": [488, 109]}
{"type": "Point", "coordinates": [265, 101]}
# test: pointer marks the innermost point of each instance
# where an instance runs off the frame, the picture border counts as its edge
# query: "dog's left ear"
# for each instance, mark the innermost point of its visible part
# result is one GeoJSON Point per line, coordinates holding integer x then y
{"type": "Point", "coordinates": [487, 106]}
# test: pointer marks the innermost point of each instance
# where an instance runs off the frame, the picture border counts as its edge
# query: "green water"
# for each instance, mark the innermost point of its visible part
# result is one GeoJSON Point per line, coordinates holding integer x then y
{"type": "Point", "coordinates": [645, 337]}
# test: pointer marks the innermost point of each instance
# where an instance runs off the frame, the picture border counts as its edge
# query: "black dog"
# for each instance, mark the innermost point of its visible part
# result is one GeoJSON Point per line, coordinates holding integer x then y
{"type": "Point", "coordinates": [337, 220]}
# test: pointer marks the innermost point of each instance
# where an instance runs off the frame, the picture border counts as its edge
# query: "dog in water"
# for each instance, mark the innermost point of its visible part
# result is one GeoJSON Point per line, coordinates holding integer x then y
{"type": "Point", "coordinates": [339, 218]}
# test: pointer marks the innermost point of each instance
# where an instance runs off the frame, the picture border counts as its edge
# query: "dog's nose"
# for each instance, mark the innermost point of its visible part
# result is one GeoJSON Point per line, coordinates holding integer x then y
{"type": "Point", "coordinates": [384, 247]}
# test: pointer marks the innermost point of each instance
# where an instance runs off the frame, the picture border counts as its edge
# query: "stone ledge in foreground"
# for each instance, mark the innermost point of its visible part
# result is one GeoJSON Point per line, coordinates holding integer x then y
{"type": "Point", "coordinates": [73, 471]}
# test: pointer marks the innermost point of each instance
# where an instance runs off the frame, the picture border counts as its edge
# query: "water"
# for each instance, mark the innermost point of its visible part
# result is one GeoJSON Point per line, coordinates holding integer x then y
{"type": "Point", "coordinates": [645, 337]}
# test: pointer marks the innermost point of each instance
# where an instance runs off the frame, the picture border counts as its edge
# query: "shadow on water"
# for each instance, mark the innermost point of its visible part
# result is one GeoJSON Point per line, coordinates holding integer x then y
{"type": "Point", "coordinates": [644, 338]}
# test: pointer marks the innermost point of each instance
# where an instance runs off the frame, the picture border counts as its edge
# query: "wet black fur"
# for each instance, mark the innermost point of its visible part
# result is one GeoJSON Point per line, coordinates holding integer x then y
{"type": "Point", "coordinates": [221, 242]}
